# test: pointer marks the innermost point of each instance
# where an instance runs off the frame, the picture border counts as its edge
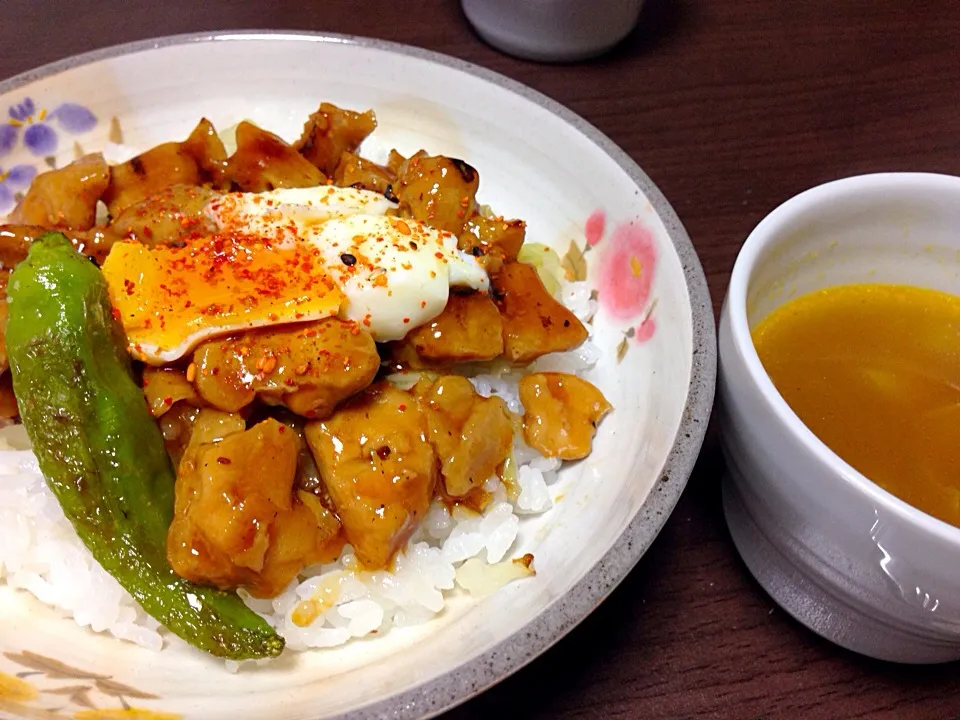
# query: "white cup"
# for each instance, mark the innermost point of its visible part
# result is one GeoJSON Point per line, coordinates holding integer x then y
{"type": "Point", "coordinates": [553, 30]}
{"type": "Point", "coordinates": [843, 556]}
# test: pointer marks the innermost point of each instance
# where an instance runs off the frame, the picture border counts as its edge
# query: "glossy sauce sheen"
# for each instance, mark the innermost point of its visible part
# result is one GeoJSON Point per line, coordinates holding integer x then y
{"type": "Point", "coordinates": [874, 371]}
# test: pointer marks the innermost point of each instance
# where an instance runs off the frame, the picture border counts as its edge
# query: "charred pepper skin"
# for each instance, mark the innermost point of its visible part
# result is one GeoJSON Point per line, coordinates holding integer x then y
{"type": "Point", "coordinates": [102, 454]}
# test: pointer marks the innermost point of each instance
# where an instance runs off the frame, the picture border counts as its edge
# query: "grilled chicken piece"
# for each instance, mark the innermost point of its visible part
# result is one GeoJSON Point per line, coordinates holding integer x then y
{"type": "Point", "coordinates": [197, 160]}
{"type": "Point", "coordinates": [8, 401]}
{"type": "Point", "coordinates": [176, 425]}
{"type": "Point", "coordinates": [396, 161]}
{"type": "Point", "coordinates": [561, 414]}
{"type": "Point", "coordinates": [534, 323]}
{"type": "Point", "coordinates": [165, 387]}
{"type": "Point", "coordinates": [493, 241]}
{"type": "Point", "coordinates": [378, 468]}
{"type": "Point", "coordinates": [205, 146]}
{"type": "Point", "coordinates": [265, 162]}
{"type": "Point", "coordinates": [308, 476]}
{"type": "Point", "coordinates": [308, 367]}
{"type": "Point", "coordinates": [171, 216]}
{"type": "Point", "coordinates": [66, 197]}
{"type": "Point", "coordinates": [469, 329]}
{"type": "Point", "coordinates": [355, 171]}
{"type": "Point", "coordinates": [472, 435]}
{"type": "Point", "coordinates": [15, 242]}
{"type": "Point", "coordinates": [238, 521]}
{"type": "Point", "coordinates": [332, 131]}
{"type": "Point", "coordinates": [14, 245]}
{"type": "Point", "coordinates": [438, 191]}
{"type": "Point", "coordinates": [186, 425]}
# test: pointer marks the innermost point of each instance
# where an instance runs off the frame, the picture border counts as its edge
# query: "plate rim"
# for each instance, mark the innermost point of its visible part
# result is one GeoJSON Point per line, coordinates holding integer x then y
{"type": "Point", "coordinates": [556, 620]}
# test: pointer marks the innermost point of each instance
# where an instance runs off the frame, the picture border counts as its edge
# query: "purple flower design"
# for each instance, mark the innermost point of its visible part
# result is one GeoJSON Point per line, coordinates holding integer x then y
{"type": "Point", "coordinates": [8, 138]}
{"type": "Point", "coordinates": [16, 179]}
{"type": "Point", "coordinates": [37, 126]}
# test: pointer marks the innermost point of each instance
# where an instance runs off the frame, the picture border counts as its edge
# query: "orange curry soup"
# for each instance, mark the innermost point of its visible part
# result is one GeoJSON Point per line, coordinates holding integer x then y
{"type": "Point", "coordinates": [874, 371]}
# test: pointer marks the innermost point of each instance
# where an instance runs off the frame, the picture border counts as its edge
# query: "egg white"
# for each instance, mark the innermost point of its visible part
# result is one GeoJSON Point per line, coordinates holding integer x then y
{"type": "Point", "coordinates": [418, 266]}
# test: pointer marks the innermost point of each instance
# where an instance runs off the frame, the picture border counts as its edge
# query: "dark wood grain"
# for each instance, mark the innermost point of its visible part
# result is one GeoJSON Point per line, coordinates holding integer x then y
{"type": "Point", "coordinates": [731, 106]}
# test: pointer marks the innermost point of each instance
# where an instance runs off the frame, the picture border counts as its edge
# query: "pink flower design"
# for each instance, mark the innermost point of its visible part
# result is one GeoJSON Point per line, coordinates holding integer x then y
{"type": "Point", "coordinates": [627, 269]}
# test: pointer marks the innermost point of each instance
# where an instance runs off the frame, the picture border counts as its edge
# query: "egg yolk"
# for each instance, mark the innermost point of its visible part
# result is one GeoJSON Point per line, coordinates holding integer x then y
{"type": "Point", "coordinates": [168, 299]}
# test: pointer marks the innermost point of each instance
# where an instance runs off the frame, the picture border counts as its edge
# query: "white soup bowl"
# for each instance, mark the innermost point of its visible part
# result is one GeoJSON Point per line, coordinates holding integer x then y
{"type": "Point", "coordinates": [843, 556]}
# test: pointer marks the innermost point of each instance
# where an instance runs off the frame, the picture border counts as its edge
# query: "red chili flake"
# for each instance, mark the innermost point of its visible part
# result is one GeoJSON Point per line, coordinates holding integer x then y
{"type": "Point", "coordinates": [115, 314]}
{"type": "Point", "coordinates": [406, 320]}
{"type": "Point", "coordinates": [438, 255]}
{"type": "Point", "coordinates": [283, 429]}
{"type": "Point", "coordinates": [168, 401]}
{"type": "Point", "coordinates": [224, 460]}
{"type": "Point", "coordinates": [423, 304]}
{"type": "Point", "coordinates": [402, 408]}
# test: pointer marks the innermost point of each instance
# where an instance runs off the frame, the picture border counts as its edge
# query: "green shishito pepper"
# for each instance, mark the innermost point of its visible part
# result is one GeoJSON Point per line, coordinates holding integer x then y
{"type": "Point", "coordinates": [100, 450]}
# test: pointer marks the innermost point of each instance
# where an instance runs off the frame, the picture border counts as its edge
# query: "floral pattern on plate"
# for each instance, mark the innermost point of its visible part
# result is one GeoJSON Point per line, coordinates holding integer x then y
{"type": "Point", "coordinates": [68, 693]}
{"type": "Point", "coordinates": [625, 276]}
{"type": "Point", "coordinates": [35, 131]}
{"type": "Point", "coordinates": [14, 181]}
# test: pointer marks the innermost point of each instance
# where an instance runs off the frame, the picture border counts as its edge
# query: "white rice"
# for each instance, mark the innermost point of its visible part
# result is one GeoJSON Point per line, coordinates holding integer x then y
{"type": "Point", "coordinates": [41, 553]}
{"type": "Point", "coordinates": [456, 552]}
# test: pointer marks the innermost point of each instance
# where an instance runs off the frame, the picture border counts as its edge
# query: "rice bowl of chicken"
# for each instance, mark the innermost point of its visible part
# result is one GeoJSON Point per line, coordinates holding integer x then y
{"type": "Point", "coordinates": [396, 385]}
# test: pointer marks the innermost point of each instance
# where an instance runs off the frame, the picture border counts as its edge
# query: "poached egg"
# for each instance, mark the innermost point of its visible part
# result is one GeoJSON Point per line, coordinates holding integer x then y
{"type": "Point", "coordinates": [286, 256]}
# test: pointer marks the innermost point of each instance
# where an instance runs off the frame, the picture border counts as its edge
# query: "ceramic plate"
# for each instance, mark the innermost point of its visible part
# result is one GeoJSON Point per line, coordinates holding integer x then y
{"type": "Point", "coordinates": [578, 193]}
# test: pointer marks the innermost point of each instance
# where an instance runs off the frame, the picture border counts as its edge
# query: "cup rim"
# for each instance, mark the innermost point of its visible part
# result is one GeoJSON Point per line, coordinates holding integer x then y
{"type": "Point", "coordinates": [766, 234]}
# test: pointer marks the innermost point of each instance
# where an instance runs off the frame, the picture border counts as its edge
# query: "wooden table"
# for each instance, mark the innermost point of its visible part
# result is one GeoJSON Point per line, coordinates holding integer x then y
{"type": "Point", "coordinates": [731, 106]}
